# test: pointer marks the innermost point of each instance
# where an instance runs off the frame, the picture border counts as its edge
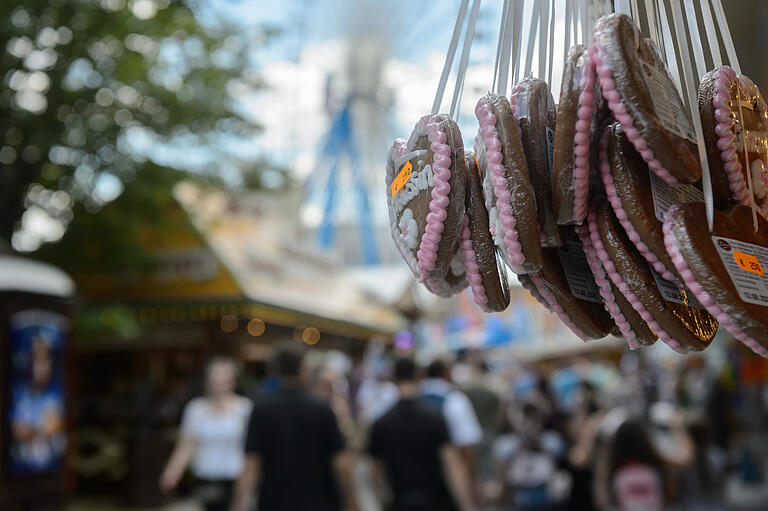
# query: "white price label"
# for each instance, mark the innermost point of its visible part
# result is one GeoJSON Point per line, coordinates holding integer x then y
{"type": "Point", "coordinates": [577, 272]}
{"type": "Point", "coordinates": [665, 196]}
{"type": "Point", "coordinates": [672, 293]}
{"type": "Point", "coordinates": [747, 265]}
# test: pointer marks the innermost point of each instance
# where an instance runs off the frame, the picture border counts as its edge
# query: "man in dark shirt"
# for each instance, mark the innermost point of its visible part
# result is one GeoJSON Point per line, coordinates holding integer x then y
{"type": "Point", "coordinates": [412, 445]}
{"type": "Point", "coordinates": [294, 449]}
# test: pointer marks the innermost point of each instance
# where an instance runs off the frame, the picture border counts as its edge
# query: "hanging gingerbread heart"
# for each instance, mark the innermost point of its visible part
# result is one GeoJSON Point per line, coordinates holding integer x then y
{"type": "Point", "coordinates": [726, 269]}
{"type": "Point", "coordinates": [507, 188]}
{"type": "Point", "coordinates": [576, 128]}
{"type": "Point", "coordinates": [643, 98]}
{"type": "Point", "coordinates": [425, 181]}
{"type": "Point", "coordinates": [734, 118]}
{"type": "Point", "coordinates": [485, 271]}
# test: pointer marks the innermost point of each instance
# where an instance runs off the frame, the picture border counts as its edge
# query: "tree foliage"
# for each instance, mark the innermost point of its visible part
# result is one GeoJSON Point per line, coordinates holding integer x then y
{"type": "Point", "coordinates": [94, 91]}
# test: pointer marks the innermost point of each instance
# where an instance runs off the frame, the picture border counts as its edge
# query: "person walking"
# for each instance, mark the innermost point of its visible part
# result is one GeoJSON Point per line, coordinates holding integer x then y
{"type": "Point", "coordinates": [294, 450]}
{"type": "Point", "coordinates": [211, 439]}
{"type": "Point", "coordinates": [412, 451]}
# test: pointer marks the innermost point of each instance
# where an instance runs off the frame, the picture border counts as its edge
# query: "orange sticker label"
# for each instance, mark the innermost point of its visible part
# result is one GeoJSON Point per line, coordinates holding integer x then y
{"type": "Point", "coordinates": [477, 163]}
{"type": "Point", "coordinates": [748, 262]}
{"type": "Point", "coordinates": [402, 178]}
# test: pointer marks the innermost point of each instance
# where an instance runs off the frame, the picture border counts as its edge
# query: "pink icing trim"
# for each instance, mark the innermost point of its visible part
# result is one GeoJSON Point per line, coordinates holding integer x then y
{"type": "Point", "coordinates": [531, 288]}
{"type": "Point", "coordinates": [621, 213]}
{"type": "Point", "coordinates": [496, 170]}
{"type": "Point", "coordinates": [441, 288]}
{"type": "Point", "coordinates": [619, 282]}
{"type": "Point", "coordinates": [700, 293]}
{"type": "Point", "coordinates": [619, 110]}
{"type": "Point", "coordinates": [582, 139]}
{"type": "Point", "coordinates": [441, 176]}
{"type": "Point", "coordinates": [727, 143]}
{"type": "Point", "coordinates": [471, 266]}
{"type": "Point", "coordinates": [604, 286]}
{"type": "Point", "coordinates": [555, 306]}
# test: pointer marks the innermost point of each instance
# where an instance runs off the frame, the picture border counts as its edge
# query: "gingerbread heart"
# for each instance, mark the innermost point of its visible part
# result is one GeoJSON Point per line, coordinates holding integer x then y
{"type": "Point", "coordinates": [643, 98]}
{"type": "Point", "coordinates": [627, 185]}
{"type": "Point", "coordinates": [425, 182]}
{"type": "Point", "coordinates": [682, 327]}
{"type": "Point", "coordinates": [732, 110]}
{"type": "Point", "coordinates": [486, 274]}
{"type": "Point", "coordinates": [631, 326]}
{"type": "Point", "coordinates": [455, 281]}
{"type": "Point", "coordinates": [507, 188]}
{"type": "Point", "coordinates": [534, 110]}
{"type": "Point", "coordinates": [725, 269]}
{"type": "Point", "coordinates": [576, 126]}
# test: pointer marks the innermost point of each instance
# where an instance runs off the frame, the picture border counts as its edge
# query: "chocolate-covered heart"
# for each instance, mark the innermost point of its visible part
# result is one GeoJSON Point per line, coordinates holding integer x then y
{"type": "Point", "coordinates": [425, 180]}
{"type": "Point", "coordinates": [576, 125]}
{"type": "Point", "coordinates": [486, 274]}
{"type": "Point", "coordinates": [631, 326]}
{"type": "Point", "coordinates": [627, 185]}
{"type": "Point", "coordinates": [681, 327]}
{"type": "Point", "coordinates": [507, 188]}
{"type": "Point", "coordinates": [534, 109]}
{"type": "Point", "coordinates": [643, 98]}
{"type": "Point", "coordinates": [703, 260]}
{"type": "Point", "coordinates": [732, 107]}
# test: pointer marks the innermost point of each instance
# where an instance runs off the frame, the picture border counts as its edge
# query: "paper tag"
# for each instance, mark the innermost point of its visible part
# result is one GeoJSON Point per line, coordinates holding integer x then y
{"type": "Point", "coordinates": [666, 102]}
{"type": "Point", "coordinates": [402, 178]}
{"type": "Point", "coordinates": [745, 264]}
{"type": "Point", "coordinates": [577, 272]}
{"type": "Point", "coordinates": [672, 293]}
{"type": "Point", "coordinates": [551, 150]}
{"type": "Point", "coordinates": [665, 196]}
{"type": "Point", "coordinates": [477, 166]}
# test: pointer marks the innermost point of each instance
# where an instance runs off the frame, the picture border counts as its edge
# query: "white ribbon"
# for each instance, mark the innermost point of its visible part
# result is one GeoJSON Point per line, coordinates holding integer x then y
{"type": "Point", "coordinates": [464, 61]}
{"type": "Point", "coordinates": [709, 25]}
{"type": "Point", "coordinates": [449, 57]}
{"type": "Point", "coordinates": [500, 43]}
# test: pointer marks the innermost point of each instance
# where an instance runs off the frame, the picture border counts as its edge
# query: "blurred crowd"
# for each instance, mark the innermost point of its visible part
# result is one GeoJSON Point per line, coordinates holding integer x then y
{"type": "Point", "coordinates": [472, 432]}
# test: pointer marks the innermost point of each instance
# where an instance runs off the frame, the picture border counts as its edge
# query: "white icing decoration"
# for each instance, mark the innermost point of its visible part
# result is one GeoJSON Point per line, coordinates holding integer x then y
{"type": "Point", "coordinates": [457, 264]}
{"type": "Point", "coordinates": [409, 229]}
{"type": "Point", "coordinates": [419, 181]}
{"type": "Point", "coordinates": [759, 179]}
{"type": "Point", "coordinates": [494, 223]}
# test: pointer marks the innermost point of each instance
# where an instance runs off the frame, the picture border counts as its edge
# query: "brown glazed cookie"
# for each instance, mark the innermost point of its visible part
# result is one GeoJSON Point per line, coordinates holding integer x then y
{"type": "Point", "coordinates": [486, 274]}
{"type": "Point", "coordinates": [629, 323]}
{"type": "Point", "coordinates": [681, 327]}
{"type": "Point", "coordinates": [507, 188]}
{"type": "Point", "coordinates": [643, 98]}
{"type": "Point", "coordinates": [627, 184]}
{"type": "Point", "coordinates": [704, 263]}
{"type": "Point", "coordinates": [574, 138]}
{"type": "Point", "coordinates": [425, 181]}
{"type": "Point", "coordinates": [587, 319]}
{"type": "Point", "coordinates": [534, 110]}
{"type": "Point", "coordinates": [455, 281]}
{"type": "Point", "coordinates": [725, 100]}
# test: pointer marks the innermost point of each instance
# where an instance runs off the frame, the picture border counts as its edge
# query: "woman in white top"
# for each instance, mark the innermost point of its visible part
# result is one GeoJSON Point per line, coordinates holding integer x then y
{"type": "Point", "coordinates": [212, 438]}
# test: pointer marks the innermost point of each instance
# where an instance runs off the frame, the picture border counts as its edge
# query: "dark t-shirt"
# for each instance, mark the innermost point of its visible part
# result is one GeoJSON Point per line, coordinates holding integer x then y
{"type": "Point", "coordinates": [296, 436]}
{"type": "Point", "coordinates": [407, 440]}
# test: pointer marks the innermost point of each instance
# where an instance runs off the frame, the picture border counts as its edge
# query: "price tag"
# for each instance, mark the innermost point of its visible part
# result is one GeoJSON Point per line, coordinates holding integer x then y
{"type": "Point", "coordinates": [744, 263]}
{"type": "Point", "coordinates": [402, 178]}
{"type": "Point", "coordinates": [748, 262]}
{"type": "Point", "coordinates": [477, 164]}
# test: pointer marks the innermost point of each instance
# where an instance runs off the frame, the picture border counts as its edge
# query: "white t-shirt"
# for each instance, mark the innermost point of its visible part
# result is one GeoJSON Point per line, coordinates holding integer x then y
{"type": "Point", "coordinates": [459, 415]}
{"type": "Point", "coordinates": [219, 437]}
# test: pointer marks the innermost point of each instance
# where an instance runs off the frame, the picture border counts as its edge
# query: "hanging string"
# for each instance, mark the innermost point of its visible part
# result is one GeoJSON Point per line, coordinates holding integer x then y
{"type": "Point", "coordinates": [709, 25]}
{"type": "Point", "coordinates": [509, 27]}
{"type": "Point", "coordinates": [450, 56]}
{"type": "Point", "coordinates": [725, 32]}
{"type": "Point", "coordinates": [532, 30]}
{"type": "Point", "coordinates": [499, 44]}
{"type": "Point", "coordinates": [551, 45]}
{"type": "Point", "coordinates": [635, 12]}
{"type": "Point", "coordinates": [543, 36]}
{"type": "Point", "coordinates": [677, 16]}
{"type": "Point", "coordinates": [469, 36]}
{"type": "Point", "coordinates": [517, 50]}
{"type": "Point", "coordinates": [696, 42]}
{"type": "Point", "coordinates": [622, 7]}
{"type": "Point", "coordinates": [669, 46]}
{"type": "Point", "coordinates": [585, 28]}
{"type": "Point", "coordinates": [567, 37]}
{"type": "Point", "coordinates": [650, 14]}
